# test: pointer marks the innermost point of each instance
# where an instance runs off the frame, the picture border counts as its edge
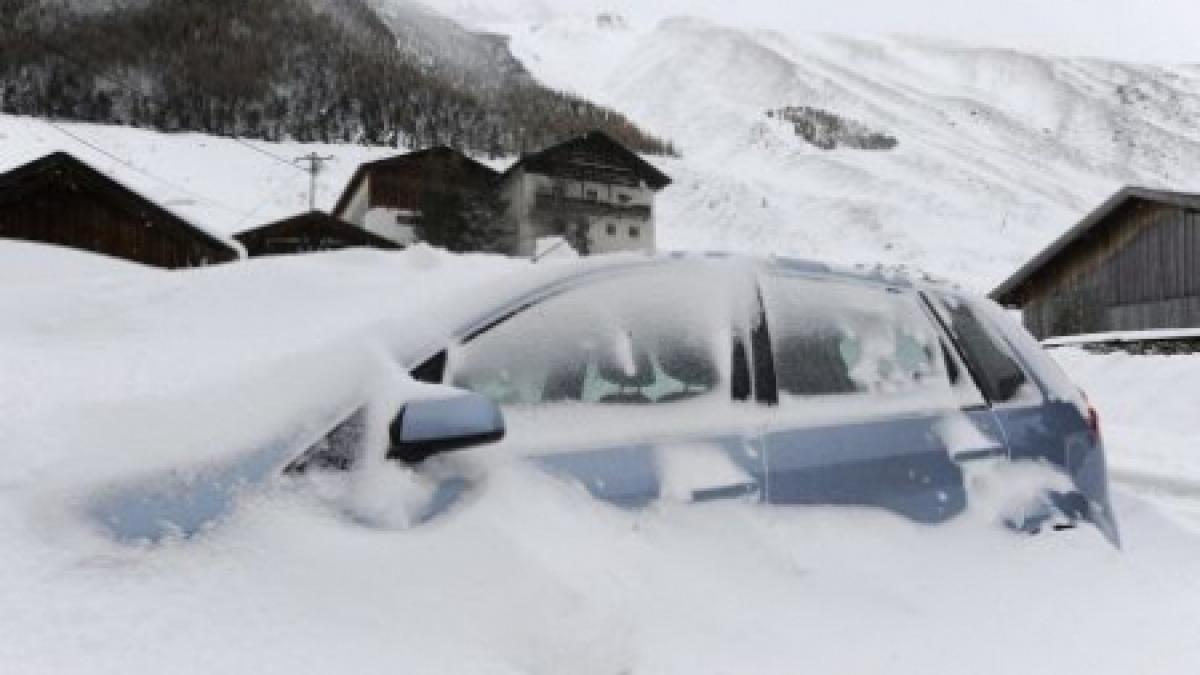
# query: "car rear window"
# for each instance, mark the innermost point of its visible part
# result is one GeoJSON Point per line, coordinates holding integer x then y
{"type": "Point", "coordinates": [1053, 380]}
{"type": "Point", "coordinates": [992, 361]}
{"type": "Point", "coordinates": [833, 339]}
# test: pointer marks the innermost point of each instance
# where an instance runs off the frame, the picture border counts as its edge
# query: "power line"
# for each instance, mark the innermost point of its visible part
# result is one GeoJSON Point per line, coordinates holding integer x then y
{"type": "Point", "coordinates": [260, 151]}
{"type": "Point", "coordinates": [128, 88]}
{"type": "Point", "coordinates": [133, 167]}
{"type": "Point", "coordinates": [270, 198]}
{"type": "Point", "coordinates": [314, 167]}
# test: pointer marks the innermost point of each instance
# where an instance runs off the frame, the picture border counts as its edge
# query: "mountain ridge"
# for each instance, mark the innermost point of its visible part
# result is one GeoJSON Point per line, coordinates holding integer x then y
{"type": "Point", "coordinates": [307, 70]}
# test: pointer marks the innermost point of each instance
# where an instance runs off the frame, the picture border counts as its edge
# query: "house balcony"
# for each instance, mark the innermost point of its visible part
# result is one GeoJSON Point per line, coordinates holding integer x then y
{"type": "Point", "coordinates": [548, 204]}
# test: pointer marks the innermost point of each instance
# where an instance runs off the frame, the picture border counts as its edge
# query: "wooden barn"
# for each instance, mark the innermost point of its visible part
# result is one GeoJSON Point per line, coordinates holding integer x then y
{"type": "Point", "coordinates": [312, 231]}
{"type": "Point", "coordinates": [1133, 264]}
{"type": "Point", "coordinates": [60, 200]}
{"type": "Point", "coordinates": [386, 196]}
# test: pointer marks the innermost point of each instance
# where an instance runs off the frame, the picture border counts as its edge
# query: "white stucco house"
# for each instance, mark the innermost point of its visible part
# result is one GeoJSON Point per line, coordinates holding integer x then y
{"type": "Point", "coordinates": [591, 189]}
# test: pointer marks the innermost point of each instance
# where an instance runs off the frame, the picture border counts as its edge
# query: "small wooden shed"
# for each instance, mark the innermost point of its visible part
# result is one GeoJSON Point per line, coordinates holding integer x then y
{"type": "Point", "coordinates": [60, 200]}
{"type": "Point", "coordinates": [1131, 265]}
{"type": "Point", "coordinates": [312, 231]}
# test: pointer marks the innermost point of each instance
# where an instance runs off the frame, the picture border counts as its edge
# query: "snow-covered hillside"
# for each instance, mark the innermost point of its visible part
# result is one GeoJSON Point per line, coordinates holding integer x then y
{"type": "Point", "coordinates": [1158, 33]}
{"type": "Point", "coordinates": [1146, 406]}
{"type": "Point", "coordinates": [999, 151]}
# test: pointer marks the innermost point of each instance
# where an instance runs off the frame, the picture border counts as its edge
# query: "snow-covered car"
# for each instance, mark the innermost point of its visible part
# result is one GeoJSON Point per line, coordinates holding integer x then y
{"type": "Point", "coordinates": [777, 380]}
{"type": "Point", "coordinates": [697, 377]}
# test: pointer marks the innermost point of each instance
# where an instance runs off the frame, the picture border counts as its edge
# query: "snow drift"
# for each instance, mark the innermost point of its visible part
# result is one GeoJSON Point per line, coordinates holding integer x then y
{"type": "Point", "coordinates": [111, 375]}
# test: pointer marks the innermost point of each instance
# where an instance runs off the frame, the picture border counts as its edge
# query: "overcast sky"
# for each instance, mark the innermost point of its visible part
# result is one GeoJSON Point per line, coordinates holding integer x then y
{"type": "Point", "coordinates": [1146, 30]}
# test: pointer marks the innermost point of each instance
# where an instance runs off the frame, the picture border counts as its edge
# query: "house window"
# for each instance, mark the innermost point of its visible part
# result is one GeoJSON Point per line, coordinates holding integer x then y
{"type": "Point", "coordinates": [635, 231]}
{"type": "Point", "coordinates": [592, 195]}
{"type": "Point", "coordinates": [624, 198]}
{"type": "Point", "coordinates": [612, 230]}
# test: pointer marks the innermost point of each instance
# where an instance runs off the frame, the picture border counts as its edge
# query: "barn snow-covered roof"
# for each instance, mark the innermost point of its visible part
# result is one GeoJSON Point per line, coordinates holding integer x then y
{"type": "Point", "coordinates": [18, 182]}
{"type": "Point", "coordinates": [641, 168]}
{"type": "Point", "coordinates": [1003, 292]}
{"type": "Point", "coordinates": [482, 170]}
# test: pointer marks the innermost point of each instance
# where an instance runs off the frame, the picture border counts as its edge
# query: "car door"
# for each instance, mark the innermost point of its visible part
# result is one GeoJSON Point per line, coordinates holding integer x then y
{"type": "Point", "coordinates": [1043, 414]}
{"type": "Point", "coordinates": [871, 405]}
{"type": "Point", "coordinates": [628, 384]}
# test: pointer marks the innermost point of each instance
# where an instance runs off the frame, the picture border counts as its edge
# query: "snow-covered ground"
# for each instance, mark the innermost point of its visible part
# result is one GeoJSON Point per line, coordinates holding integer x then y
{"type": "Point", "coordinates": [114, 370]}
{"type": "Point", "coordinates": [109, 360]}
{"type": "Point", "coordinates": [1147, 408]}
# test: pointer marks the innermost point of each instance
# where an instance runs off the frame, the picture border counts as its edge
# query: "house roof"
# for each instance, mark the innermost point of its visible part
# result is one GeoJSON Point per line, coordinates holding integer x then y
{"type": "Point", "coordinates": [19, 182]}
{"type": "Point", "coordinates": [322, 220]}
{"type": "Point", "coordinates": [483, 171]}
{"type": "Point", "coordinates": [1095, 220]}
{"type": "Point", "coordinates": [643, 169]}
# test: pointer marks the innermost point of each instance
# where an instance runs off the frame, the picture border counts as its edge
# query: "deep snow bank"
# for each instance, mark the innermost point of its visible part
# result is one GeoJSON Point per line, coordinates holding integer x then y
{"type": "Point", "coordinates": [23, 263]}
{"type": "Point", "coordinates": [108, 375]}
{"type": "Point", "coordinates": [529, 575]}
{"type": "Point", "coordinates": [1147, 407]}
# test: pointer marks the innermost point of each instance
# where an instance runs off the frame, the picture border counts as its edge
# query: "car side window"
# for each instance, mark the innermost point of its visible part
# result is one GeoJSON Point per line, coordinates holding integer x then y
{"type": "Point", "coordinates": [634, 339]}
{"type": "Point", "coordinates": [833, 338]}
{"type": "Point", "coordinates": [1000, 373]}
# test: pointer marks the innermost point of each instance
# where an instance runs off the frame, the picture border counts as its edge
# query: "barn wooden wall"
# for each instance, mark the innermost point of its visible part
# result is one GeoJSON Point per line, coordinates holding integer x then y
{"type": "Point", "coordinates": [403, 185]}
{"type": "Point", "coordinates": [99, 222]}
{"type": "Point", "coordinates": [1140, 270]}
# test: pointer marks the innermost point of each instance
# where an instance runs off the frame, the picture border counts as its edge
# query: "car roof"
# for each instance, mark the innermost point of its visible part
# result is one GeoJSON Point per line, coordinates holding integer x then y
{"type": "Point", "coordinates": [553, 276]}
{"type": "Point", "coordinates": [894, 275]}
{"type": "Point", "coordinates": [871, 274]}
{"type": "Point", "coordinates": [502, 298]}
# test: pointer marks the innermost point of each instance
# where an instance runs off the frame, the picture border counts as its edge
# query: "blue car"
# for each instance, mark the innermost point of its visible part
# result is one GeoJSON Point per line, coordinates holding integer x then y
{"type": "Point", "coordinates": [782, 381]}
{"type": "Point", "coordinates": [696, 377]}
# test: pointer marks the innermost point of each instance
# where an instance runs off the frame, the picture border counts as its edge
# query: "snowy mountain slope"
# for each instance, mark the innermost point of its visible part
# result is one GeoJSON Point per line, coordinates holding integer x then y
{"type": "Point", "coordinates": [447, 48]}
{"type": "Point", "coordinates": [999, 150]}
{"type": "Point", "coordinates": [482, 13]}
{"type": "Point", "coordinates": [1162, 35]}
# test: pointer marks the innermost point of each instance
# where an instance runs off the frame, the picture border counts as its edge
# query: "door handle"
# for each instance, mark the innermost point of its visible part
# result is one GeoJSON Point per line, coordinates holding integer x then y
{"type": "Point", "coordinates": [979, 454]}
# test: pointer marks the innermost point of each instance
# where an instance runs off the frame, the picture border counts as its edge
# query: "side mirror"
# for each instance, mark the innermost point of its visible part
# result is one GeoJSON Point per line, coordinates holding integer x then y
{"type": "Point", "coordinates": [426, 428]}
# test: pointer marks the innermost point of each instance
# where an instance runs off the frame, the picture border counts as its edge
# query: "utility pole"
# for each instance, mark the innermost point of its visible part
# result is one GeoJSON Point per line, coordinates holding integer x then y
{"type": "Point", "coordinates": [314, 167]}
